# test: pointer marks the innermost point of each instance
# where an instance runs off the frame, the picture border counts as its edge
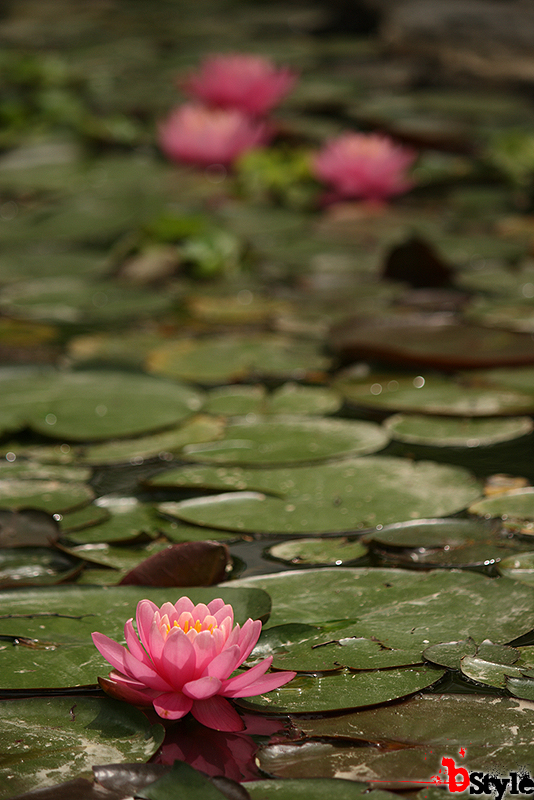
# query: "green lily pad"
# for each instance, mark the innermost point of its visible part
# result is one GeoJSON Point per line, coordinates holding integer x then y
{"type": "Point", "coordinates": [128, 518]}
{"type": "Point", "coordinates": [521, 687]}
{"type": "Point", "coordinates": [440, 720]}
{"type": "Point", "coordinates": [429, 605]}
{"type": "Point", "coordinates": [519, 567]}
{"type": "Point", "coordinates": [71, 299]}
{"type": "Point", "coordinates": [433, 394]}
{"type": "Point", "coordinates": [179, 531]}
{"type": "Point", "coordinates": [450, 654]}
{"type": "Point", "coordinates": [313, 789]}
{"type": "Point", "coordinates": [518, 504]}
{"type": "Point", "coordinates": [231, 358]}
{"type": "Point", "coordinates": [456, 432]}
{"type": "Point", "coordinates": [35, 566]}
{"type": "Point", "coordinates": [287, 440]}
{"type": "Point", "coordinates": [52, 496]}
{"type": "Point", "coordinates": [104, 405]}
{"type": "Point", "coordinates": [85, 517]}
{"type": "Point", "coordinates": [323, 499]}
{"type": "Point", "coordinates": [307, 695]}
{"type": "Point", "coordinates": [290, 398]}
{"type": "Point", "coordinates": [333, 645]}
{"type": "Point", "coordinates": [318, 551]}
{"type": "Point", "coordinates": [200, 428]}
{"type": "Point", "coordinates": [60, 738]}
{"type": "Point", "coordinates": [20, 469]}
{"type": "Point", "coordinates": [117, 558]}
{"type": "Point", "coordinates": [441, 543]}
{"type": "Point", "coordinates": [53, 627]}
{"type": "Point", "coordinates": [506, 314]}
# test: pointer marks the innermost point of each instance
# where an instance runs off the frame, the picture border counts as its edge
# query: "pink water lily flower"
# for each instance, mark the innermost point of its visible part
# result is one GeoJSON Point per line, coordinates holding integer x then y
{"type": "Point", "coordinates": [181, 660]}
{"type": "Point", "coordinates": [196, 134]}
{"type": "Point", "coordinates": [250, 83]}
{"type": "Point", "coordinates": [367, 166]}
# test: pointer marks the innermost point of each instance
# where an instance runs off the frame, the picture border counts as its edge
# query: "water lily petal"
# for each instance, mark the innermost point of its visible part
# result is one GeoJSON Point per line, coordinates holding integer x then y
{"type": "Point", "coordinates": [112, 651]}
{"type": "Point", "coordinates": [145, 674]}
{"type": "Point", "coordinates": [224, 616]}
{"type": "Point", "coordinates": [178, 659]}
{"type": "Point", "coordinates": [144, 617]}
{"type": "Point", "coordinates": [172, 705]}
{"type": "Point", "coordinates": [254, 681]}
{"type": "Point", "coordinates": [125, 691]}
{"type": "Point", "coordinates": [217, 713]}
{"type": "Point", "coordinates": [202, 688]}
{"type": "Point", "coordinates": [249, 635]}
{"type": "Point", "coordinates": [133, 643]}
{"type": "Point", "coordinates": [205, 645]}
{"type": "Point", "coordinates": [201, 612]}
{"type": "Point", "coordinates": [183, 604]}
{"type": "Point", "coordinates": [225, 663]}
{"type": "Point", "coordinates": [170, 610]}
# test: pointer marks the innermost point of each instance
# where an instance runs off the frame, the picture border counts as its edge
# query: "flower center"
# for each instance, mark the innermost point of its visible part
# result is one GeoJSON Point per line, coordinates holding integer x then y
{"type": "Point", "coordinates": [188, 624]}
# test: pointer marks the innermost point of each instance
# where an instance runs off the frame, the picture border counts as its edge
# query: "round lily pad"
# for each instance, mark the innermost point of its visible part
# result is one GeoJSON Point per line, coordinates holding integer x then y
{"type": "Point", "coordinates": [60, 738]}
{"type": "Point", "coordinates": [36, 566]}
{"type": "Point", "coordinates": [517, 504]}
{"type": "Point", "coordinates": [287, 440]}
{"type": "Point", "coordinates": [429, 605]}
{"type": "Point", "coordinates": [456, 432]}
{"type": "Point", "coordinates": [318, 551]}
{"type": "Point", "coordinates": [52, 496]}
{"type": "Point", "coordinates": [127, 518]}
{"type": "Point", "coordinates": [228, 359]}
{"type": "Point", "coordinates": [434, 394]}
{"type": "Point", "coordinates": [335, 497]}
{"type": "Point", "coordinates": [290, 398]}
{"type": "Point", "coordinates": [519, 567]}
{"type": "Point", "coordinates": [21, 469]}
{"type": "Point", "coordinates": [235, 401]}
{"type": "Point", "coordinates": [307, 695]}
{"type": "Point", "coordinates": [200, 428]}
{"type": "Point", "coordinates": [105, 405]}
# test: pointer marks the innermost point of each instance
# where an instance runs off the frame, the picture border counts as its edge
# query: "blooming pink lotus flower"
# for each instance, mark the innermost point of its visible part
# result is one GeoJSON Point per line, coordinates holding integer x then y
{"type": "Point", "coordinates": [203, 136]}
{"type": "Point", "coordinates": [181, 660]}
{"type": "Point", "coordinates": [367, 166]}
{"type": "Point", "coordinates": [249, 83]}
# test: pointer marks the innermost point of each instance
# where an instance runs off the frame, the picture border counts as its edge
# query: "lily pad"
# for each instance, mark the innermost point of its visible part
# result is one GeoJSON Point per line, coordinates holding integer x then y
{"type": "Point", "coordinates": [450, 654]}
{"type": "Point", "coordinates": [519, 567]}
{"type": "Point", "coordinates": [429, 605]}
{"type": "Point", "coordinates": [105, 405]}
{"type": "Point", "coordinates": [431, 342]}
{"type": "Point", "coordinates": [318, 551]}
{"type": "Point", "coordinates": [308, 695]}
{"type": "Point", "coordinates": [313, 789]}
{"type": "Point", "coordinates": [52, 496]}
{"type": "Point", "coordinates": [287, 440]}
{"type": "Point", "coordinates": [290, 398]}
{"type": "Point", "coordinates": [517, 504]}
{"type": "Point", "coordinates": [53, 627]}
{"type": "Point", "coordinates": [85, 517]}
{"type": "Point", "coordinates": [128, 519]}
{"type": "Point", "coordinates": [20, 469]}
{"type": "Point", "coordinates": [200, 428]}
{"type": "Point", "coordinates": [27, 528]}
{"type": "Point", "coordinates": [339, 496]}
{"type": "Point", "coordinates": [228, 359]}
{"type": "Point", "coordinates": [83, 730]}
{"type": "Point", "coordinates": [36, 566]}
{"type": "Point", "coordinates": [434, 394]}
{"type": "Point", "coordinates": [456, 432]}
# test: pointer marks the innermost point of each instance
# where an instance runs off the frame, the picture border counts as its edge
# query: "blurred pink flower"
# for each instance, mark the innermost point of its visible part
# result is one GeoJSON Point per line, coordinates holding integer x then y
{"type": "Point", "coordinates": [203, 136]}
{"type": "Point", "coordinates": [181, 660]}
{"type": "Point", "coordinates": [249, 83]}
{"type": "Point", "coordinates": [360, 165]}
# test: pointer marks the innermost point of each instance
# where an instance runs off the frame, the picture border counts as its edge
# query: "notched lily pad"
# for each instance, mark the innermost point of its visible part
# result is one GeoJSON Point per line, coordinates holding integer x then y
{"type": "Point", "coordinates": [287, 440]}
{"type": "Point", "coordinates": [318, 551]}
{"type": "Point", "coordinates": [229, 359]}
{"type": "Point", "coordinates": [452, 432]}
{"type": "Point", "coordinates": [51, 496]}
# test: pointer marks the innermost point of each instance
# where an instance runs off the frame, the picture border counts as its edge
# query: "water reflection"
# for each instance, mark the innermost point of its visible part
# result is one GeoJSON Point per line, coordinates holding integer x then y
{"type": "Point", "coordinates": [216, 752]}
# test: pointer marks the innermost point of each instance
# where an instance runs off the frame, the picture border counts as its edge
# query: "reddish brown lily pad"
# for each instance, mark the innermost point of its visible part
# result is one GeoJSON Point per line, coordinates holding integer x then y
{"type": "Point", "coordinates": [185, 564]}
{"type": "Point", "coordinates": [431, 340]}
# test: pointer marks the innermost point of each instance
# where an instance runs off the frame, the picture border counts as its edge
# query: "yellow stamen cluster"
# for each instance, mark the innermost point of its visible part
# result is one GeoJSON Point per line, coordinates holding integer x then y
{"type": "Point", "coordinates": [187, 625]}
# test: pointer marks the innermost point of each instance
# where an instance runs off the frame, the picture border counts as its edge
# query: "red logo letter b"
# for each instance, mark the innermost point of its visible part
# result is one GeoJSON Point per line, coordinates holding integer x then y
{"type": "Point", "coordinates": [453, 771]}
